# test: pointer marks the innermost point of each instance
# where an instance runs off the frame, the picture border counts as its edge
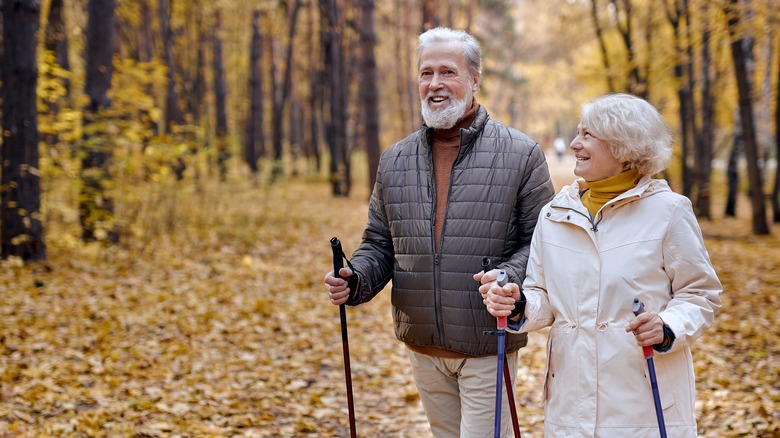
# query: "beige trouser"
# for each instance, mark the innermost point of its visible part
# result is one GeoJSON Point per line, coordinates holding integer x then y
{"type": "Point", "coordinates": [459, 395]}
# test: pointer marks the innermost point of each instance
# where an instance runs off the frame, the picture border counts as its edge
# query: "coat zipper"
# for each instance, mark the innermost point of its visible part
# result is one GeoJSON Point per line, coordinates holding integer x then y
{"type": "Point", "coordinates": [436, 269]}
{"type": "Point", "coordinates": [437, 253]}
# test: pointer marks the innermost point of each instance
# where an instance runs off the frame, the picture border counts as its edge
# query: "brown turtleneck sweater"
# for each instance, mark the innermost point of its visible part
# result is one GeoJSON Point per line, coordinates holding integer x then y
{"type": "Point", "coordinates": [445, 147]}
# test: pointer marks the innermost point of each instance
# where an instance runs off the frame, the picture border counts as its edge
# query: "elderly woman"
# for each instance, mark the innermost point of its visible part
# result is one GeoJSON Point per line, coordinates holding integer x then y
{"type": "Point", "coordinates": [613, 235]}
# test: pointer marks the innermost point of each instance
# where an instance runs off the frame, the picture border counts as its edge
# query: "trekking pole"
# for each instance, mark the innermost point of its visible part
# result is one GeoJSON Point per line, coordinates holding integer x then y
{"type": "Point", "coordinates": [501, 326]}
{"type": "Point", "coordinates": [338, 263]}
{"type": "Point", "coordinates": [511, 399]}
{"type": "Point", "coordinates": [510, 394]}
{"type": "Point", "coordinates": [638, 307]}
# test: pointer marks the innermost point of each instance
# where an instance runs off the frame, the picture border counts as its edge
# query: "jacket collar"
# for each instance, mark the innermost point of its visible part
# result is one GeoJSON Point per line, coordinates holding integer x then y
{"type": "Point", "coordinates": [569, 196]}
{"type": "Point", "coordinates": [467, 135]}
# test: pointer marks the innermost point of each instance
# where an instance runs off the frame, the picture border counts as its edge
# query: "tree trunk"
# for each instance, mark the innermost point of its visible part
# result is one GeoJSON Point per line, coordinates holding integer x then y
{"type": "Point", "coordinates": [56, 39]}
{"type": "Point", "coordinates": [603, 46]}
{"type": "Point", "coordinates": [335, 127]}
{"type": "Point", "coordinates": [220, 95]}
{"type": "Point", "coordinates": [315, 92]}
{"type": "Point", "coordinates": [401, 81]}
{"type": "Point", "coordinates": [96, 208]}
{"type": "Point", "coordinates": [295, 137]}
{"type": "Point", "coordinates": [776, 190]}
{"type": "Point", "coordinates": [430, 14]}
{"type": "Point", "coordinates": [704, 146]}
{"type": "Point", "coordinates": [198, 90]}
{"type": "Point", "coordinates": [282, 93]}
{"type": "Point", "coordinates": [407, 103]}
{"type": "Point", "coordinates": [732, 173]}
{"type": "Point", "coordinates": [636, 82]}
{"type": "Point", "coordinates": [145, 35]}
{"type": "Point", "coordinates": [21, 229]}
{"type": "Point", "coordinates": [470, 8]}
{"type": "Point", "coordinates": [760, 224]}
{"type": "Point", "coordinates": [145, 55]}
{"type": "Point", "coordinates": [683, 96]}
{"type": "Point", "coordinates": [56, 42]}
{"type": "Point", "coordinates": [369, 95]}
{"type": "Point", "coordinates": [173, 114]}
{"type": "Point", "coordinates": [254, 141]}
{"type": "Point", "coordinates": [692, 132]}
{"type": "Point", "coordinates": [196, 85]}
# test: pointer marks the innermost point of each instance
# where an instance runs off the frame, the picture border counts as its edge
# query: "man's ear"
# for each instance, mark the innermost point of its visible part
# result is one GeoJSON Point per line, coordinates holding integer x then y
{"type": "Point", "coordinates": [475, 84]}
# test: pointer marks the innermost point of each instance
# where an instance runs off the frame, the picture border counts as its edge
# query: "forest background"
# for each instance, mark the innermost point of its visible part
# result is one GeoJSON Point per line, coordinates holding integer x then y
{"type": "Point", "coordinates": [173, 171]}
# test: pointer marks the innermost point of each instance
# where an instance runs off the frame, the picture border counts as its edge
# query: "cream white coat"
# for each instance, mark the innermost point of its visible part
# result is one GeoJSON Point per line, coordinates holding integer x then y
{"type": "Point", "coordinates": [582, 277]}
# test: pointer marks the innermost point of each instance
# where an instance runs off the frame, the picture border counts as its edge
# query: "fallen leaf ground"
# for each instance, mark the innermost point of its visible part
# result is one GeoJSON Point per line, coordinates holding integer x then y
{"type": "Point", "coordinates": [220, 327]}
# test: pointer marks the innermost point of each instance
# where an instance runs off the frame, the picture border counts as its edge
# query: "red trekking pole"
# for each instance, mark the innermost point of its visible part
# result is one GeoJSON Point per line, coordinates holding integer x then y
{"type": "Point", "coordinates": [638, 307]}
{"type": "Point", "coordinates": [338, 263]}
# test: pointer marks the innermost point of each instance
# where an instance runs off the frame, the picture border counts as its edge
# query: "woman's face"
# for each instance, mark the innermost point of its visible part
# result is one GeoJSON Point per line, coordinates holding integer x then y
{"type": "Point", "coordinates": [594, 159]}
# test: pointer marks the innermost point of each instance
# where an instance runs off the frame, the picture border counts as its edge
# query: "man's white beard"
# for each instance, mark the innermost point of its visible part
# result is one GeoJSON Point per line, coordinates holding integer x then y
{"type": "Point", "coordinates": [446, 118]}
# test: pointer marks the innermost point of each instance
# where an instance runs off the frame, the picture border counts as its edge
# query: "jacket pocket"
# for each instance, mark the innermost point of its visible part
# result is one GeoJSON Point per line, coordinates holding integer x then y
{"type": "Point", "coordinates": [625, 397]}
{"type": "Point", "coordinates": [676, 384]}
{"type": "Point", "coordinates": [562, 391]}
{"type": "Point", "coordinates": [547, 366]}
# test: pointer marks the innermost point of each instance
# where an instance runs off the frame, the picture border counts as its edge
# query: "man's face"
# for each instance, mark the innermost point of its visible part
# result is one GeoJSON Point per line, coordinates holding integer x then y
{"type": "Point", "coordinates": [446, 84]}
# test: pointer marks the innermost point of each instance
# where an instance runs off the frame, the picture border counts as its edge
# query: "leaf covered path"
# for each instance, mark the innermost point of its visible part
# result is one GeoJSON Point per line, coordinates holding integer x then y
{"type": "Point", "coordinates": [223, 329]}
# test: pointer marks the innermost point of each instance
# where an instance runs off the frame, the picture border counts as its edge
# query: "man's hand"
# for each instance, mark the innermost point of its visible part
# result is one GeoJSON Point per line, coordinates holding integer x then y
{"type": "Point", "coordinates": [499, 301]}
{"type": "Point", "coordinates": [337, 288]}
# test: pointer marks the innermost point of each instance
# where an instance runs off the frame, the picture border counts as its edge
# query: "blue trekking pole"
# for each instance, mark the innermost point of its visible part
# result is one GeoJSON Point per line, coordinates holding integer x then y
{"type": "Point", "coordinates": [502, 279]}
{"type": "Point", "coordinates": [638, 307]}
{"type": "Point", "coordinates": [501, 326]}
{"type": "Point", "coordinates": [338, 263]}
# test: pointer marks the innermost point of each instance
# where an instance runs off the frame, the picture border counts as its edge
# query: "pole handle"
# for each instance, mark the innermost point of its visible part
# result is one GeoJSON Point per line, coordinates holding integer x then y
{"type": "Point", "coordinates": [501, 280]}
{"type": "Point", "coordinates": [638, 307]}
{"type": "Point", "coordinates": [338, 256]}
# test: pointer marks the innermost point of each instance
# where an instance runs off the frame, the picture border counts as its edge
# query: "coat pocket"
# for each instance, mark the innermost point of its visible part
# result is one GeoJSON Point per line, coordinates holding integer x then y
{"type": "Point", "coordinates": [676, 384]}
{"type": "Point", "coordinates": [546, 390]}
{"type": "Point", "coordinates": [562, 389]}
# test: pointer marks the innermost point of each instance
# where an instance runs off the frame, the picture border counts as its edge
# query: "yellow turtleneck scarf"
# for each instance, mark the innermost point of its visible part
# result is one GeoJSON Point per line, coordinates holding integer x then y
{"type": "Point", "coordinates": [600, 192]}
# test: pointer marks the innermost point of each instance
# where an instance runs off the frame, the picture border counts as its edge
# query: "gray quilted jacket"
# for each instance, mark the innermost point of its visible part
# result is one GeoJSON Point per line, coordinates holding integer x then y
{"type": "Point", "coordinates": [499, 183]}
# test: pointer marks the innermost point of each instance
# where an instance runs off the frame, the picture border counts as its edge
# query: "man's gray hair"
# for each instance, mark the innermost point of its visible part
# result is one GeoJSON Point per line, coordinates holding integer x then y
{"type": "Point", "coordinates": [634, 130]}
{"type": "Point", "coordinates": [471, 48]}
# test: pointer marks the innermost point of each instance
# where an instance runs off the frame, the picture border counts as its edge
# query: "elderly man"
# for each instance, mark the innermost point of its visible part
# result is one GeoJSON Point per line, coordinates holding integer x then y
{"type": "Point", "coordinates": [462, 188]}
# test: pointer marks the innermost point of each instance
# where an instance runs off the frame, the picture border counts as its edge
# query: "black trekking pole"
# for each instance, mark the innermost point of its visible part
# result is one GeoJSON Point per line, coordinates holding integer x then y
{"type": "Point", "coordinates": [502, 358]}
{"type": "Point", "coordinates": [338, 263]}
{"type": "Point", "coordinates": [638, 307]}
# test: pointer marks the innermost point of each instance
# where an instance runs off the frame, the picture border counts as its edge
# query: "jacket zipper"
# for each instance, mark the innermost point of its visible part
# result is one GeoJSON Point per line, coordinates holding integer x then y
{"type": "Point", "coordinates": [437, 253]}
{"type": "Point", "coordinates": [594, 225]}
{"type": "Point", "coordinates": [436, 268]}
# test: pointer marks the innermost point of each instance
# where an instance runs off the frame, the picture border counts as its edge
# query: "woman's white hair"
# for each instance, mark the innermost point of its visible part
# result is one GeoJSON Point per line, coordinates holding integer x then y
{"type": "Point", "coordinates": [634, 130]}
{"type": "Point", "coordinates": [471, 49]}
